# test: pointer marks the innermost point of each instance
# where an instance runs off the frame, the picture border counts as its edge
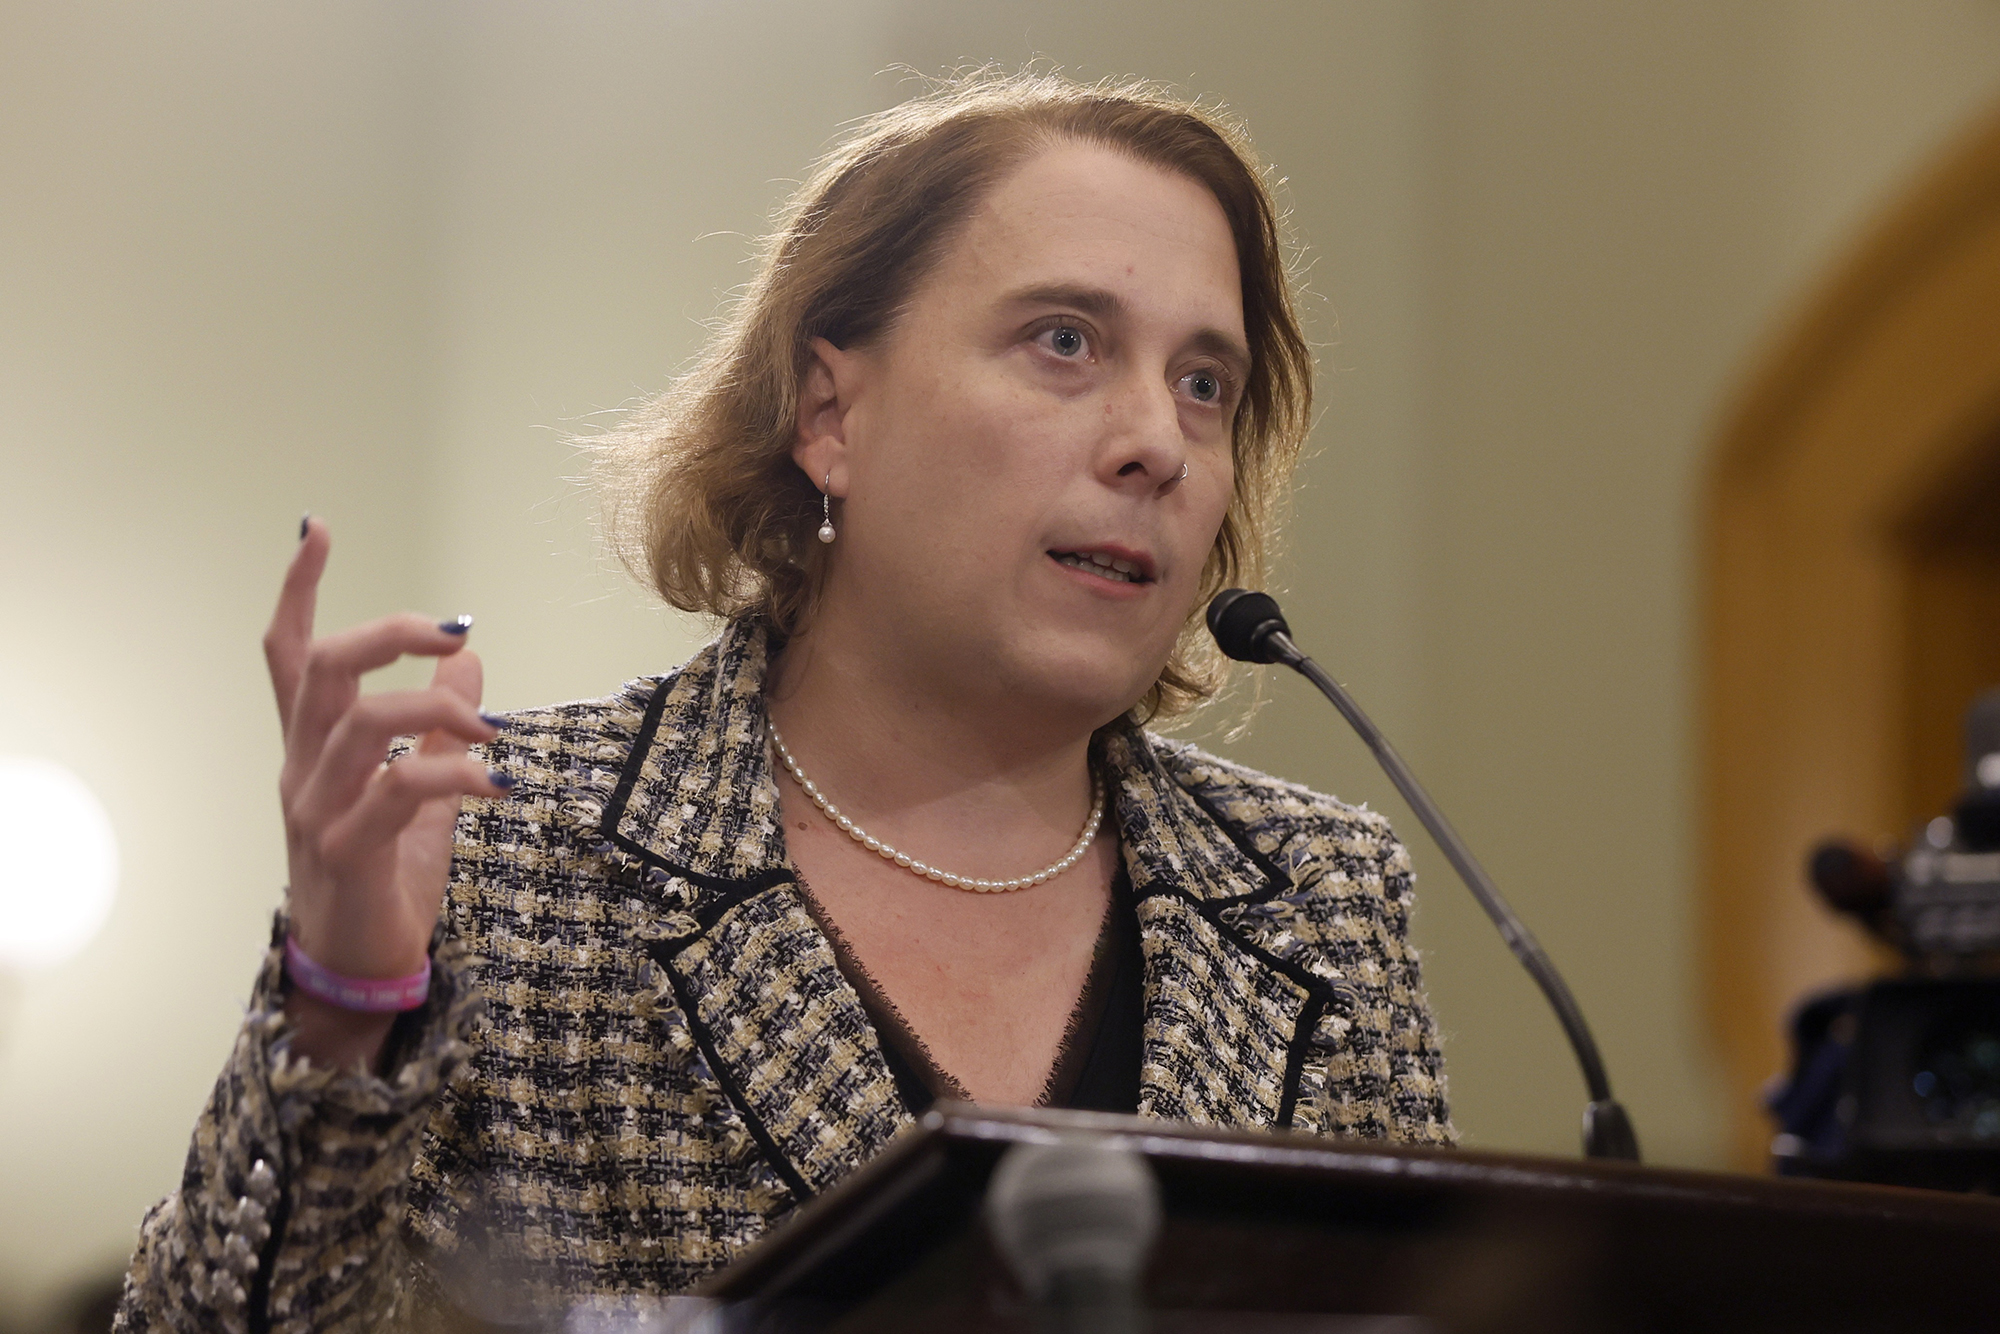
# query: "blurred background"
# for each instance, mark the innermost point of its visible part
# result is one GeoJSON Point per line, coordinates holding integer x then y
{"type": "Point", "coordinates": [378, 260]}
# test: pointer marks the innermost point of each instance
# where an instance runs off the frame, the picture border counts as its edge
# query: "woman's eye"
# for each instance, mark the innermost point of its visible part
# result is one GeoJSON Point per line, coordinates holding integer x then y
{"type": "Point", "coordinates": [1065, 340]}
{"type": "Point", "coordinates": [1204, 386]}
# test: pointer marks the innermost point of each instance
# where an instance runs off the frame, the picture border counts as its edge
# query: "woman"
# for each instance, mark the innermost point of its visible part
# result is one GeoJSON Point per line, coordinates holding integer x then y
{"type": "Point", "coordinates": [1009, 400]}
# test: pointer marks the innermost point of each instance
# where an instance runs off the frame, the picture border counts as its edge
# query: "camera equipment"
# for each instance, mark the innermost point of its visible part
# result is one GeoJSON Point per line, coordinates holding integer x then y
{"type": "Point", "coordinates": [1899, 1081]}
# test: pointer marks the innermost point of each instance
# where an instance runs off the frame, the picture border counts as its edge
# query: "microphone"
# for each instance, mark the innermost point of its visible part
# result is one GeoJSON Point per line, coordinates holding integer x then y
{"type": "Point", "coordinates": [1249, 628]}
{"type": "Point", "coordinates": [1075, 1220]}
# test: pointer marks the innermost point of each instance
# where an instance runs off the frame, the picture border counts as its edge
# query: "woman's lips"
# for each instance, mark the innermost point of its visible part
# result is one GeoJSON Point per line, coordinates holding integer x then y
{"type": "Point", "coordinates": [1103, 580]}
{"type": "Point", "coordinates": [1110, 562]}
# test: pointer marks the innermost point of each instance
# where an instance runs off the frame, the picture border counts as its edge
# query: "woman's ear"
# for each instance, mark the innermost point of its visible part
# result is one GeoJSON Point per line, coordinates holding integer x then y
{"type": "Point", "coordinates": [826, 401]}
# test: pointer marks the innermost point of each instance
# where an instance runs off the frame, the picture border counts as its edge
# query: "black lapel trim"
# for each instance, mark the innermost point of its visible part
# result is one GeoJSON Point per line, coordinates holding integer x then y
{"type": "Point", "coordinates": [1276, 881]}
{"type": "Point", "coordinates": [706, 1042]}
{"type": "Point", "coordinates": [1211, 911]}
{"type": "Point", "coordinates": [1321, 995]}
{"type": "Point", "coordinates": [1315, 985]}
{"type": "Point", "coordinates": [730, 892]}
{"type": "Point", "coordinates": [727, 894]}
{"type": "Point", "coordinates": [1295, 1058]}
{"type": "Point", "coordinates": [621, 795]}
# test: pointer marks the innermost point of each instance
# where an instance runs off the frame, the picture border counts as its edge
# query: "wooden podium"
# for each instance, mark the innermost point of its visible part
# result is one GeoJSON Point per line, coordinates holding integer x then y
{"type": "Point", "coordinates": [1278, 1232]}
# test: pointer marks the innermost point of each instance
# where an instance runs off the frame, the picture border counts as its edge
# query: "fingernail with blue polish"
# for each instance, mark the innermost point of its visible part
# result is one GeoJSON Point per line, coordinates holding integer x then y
{"type": "Point", "coordinates": [304, 525]}
{"type": "Point", "coordinates": [498, 720]}
{"type": "Point", "coordinates": [456, 626]}
{"type": "Point", "coordinates": [505, 782]}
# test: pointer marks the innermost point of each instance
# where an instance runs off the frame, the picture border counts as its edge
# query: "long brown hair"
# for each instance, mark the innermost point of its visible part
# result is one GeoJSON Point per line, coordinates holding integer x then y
{"type": "Point", "coordinates": [701, 497]}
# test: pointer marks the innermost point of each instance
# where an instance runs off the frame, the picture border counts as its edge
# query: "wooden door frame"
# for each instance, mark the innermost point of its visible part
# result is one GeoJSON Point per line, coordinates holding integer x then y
{"type": "Point", "coordinates": [1875, 403]}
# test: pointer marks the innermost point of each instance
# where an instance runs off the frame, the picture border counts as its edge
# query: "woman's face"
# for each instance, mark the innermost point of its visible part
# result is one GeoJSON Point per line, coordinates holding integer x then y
{"type": "Point", "coordinates": [1011, 453]}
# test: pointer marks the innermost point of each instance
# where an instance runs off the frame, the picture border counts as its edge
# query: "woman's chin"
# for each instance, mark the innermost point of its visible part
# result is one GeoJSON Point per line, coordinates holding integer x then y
{"type": "Point", "coordinates": [1089, 678]}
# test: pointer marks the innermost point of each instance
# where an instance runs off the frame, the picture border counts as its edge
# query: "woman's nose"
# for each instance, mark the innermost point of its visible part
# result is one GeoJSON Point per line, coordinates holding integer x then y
{"type": "Point", "coordinates": [1143, 446]}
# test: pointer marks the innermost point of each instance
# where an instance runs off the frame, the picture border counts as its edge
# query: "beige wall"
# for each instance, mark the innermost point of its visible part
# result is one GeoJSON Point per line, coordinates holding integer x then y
{"type": "Point", "coordinates": [1622, 202]}
{"type": "Point", "coordinates": [374, 259]}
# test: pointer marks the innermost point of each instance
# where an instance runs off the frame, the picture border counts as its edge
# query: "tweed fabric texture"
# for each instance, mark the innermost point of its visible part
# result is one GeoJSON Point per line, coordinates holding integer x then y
{"type": "Point", "coordinates": [640, 1052]}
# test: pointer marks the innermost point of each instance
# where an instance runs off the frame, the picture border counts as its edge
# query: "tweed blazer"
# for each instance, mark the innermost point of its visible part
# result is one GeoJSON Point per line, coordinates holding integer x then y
{"type": "Point", "coordinates": [639, 1052]}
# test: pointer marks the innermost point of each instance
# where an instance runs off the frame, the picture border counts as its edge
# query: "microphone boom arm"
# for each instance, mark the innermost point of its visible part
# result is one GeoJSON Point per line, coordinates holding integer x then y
{"type": "Point", "coordinates": [1607, 1130]}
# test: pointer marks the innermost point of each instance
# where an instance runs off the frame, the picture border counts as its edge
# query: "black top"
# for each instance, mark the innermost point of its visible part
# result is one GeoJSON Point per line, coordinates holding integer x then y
{"type": "Point", "coordinates": [1097, 1066]}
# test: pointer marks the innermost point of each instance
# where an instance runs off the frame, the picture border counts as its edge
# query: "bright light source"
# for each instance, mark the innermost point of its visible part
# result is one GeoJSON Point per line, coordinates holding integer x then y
{"type": "Point", "coordinates": [58, 863]}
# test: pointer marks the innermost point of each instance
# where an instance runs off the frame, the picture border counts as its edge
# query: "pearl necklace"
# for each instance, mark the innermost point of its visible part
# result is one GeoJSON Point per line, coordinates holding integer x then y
{"type": "Point", "coordinates": [915, 867]}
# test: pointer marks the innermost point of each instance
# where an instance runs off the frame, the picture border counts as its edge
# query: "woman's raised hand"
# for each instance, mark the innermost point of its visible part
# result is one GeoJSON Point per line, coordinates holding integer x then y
{"type": "Point", "coordinates": [369, 845]}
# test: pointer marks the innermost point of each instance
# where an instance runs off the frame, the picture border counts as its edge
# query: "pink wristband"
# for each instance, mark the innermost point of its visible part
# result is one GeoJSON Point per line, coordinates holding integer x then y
{"type": "Point", "coordinates": [374, 995]}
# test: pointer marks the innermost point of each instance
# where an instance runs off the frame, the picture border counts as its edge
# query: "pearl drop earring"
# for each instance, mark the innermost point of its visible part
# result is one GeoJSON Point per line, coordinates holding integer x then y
{"type": "Point", "coordinates": [826, 533]}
